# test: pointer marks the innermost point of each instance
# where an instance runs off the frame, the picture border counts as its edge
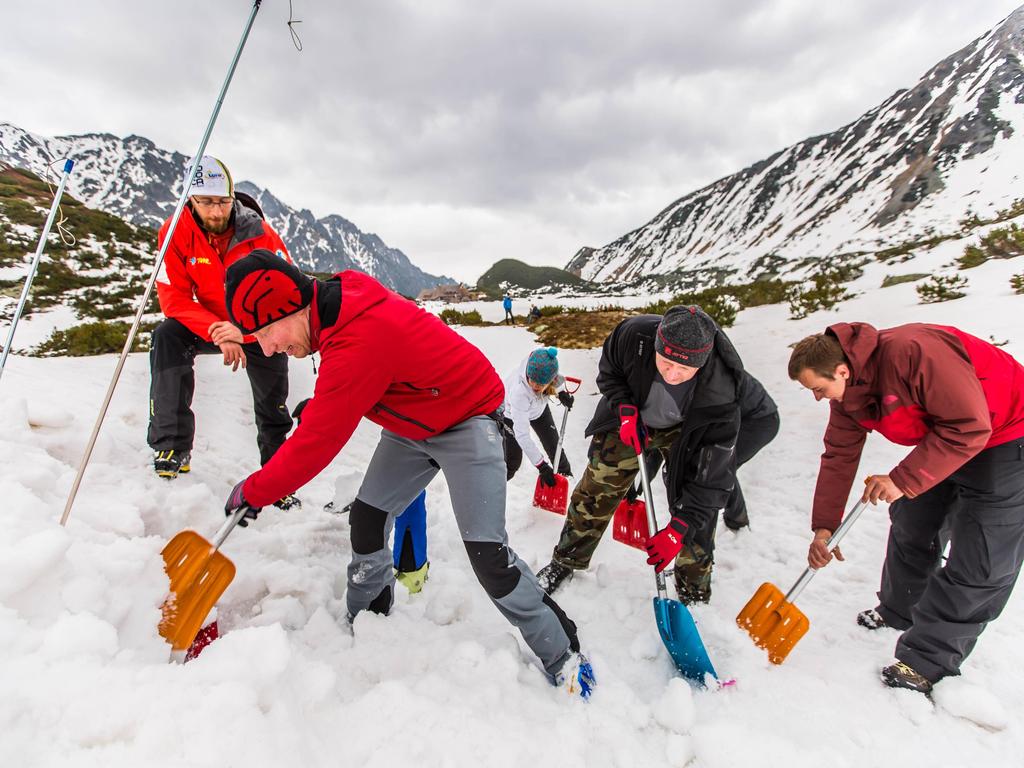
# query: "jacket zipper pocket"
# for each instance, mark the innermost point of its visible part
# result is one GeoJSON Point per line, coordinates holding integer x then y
{"type": "Point", "coordinates": [397, 415]}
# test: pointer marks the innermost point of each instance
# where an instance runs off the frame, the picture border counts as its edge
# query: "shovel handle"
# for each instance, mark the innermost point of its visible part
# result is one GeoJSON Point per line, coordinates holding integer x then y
{"type": "Point", "coordinates": [575, 381]}
{"type": "Point", "coordinates": [652, 521]}
{"type": "Point", "coordinates": [831, 544]}
{"type": "Point", "coordinates": [228, 526]}
{"type": "Point", "coordinates": [565, 418]}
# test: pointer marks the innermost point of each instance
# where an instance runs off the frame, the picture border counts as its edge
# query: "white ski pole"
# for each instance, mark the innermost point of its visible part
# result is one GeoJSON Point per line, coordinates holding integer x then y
{"type": "Point", "coordinates": [68, 165]}
{"type": "Point", "coordinates": [156, 267]}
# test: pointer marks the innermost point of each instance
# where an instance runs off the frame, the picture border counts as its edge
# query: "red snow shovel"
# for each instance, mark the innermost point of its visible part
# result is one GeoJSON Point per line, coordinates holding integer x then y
{"type": "Point", "coordinates": [199, 575]}
{"type": "Point", "coordinates": [554, 498]}
{"type": "Point", "coordinates": [629, 525]}
{"type": "Point", "coordinates": [771, 619]}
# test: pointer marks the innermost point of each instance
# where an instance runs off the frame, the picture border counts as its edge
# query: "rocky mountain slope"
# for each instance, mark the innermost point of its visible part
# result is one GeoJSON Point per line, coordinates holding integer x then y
{"type": "Point", "coordinates": [934, 160]}
{"type": "Point", "coordinates": [137, 181]}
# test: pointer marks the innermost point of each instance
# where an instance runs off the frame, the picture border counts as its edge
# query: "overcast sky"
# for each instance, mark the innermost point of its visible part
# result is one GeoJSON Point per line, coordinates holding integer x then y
{"type": "Point", "coordinates": [465, 131]}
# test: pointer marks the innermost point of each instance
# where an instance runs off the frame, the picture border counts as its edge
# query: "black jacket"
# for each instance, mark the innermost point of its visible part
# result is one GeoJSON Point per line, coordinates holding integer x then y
{"type": "Point", "coordinates": [702, 463]}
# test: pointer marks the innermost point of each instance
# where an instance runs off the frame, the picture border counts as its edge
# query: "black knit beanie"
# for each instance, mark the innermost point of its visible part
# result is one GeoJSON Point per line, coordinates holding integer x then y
{"type": "Point", "coordinates": [686, 335]}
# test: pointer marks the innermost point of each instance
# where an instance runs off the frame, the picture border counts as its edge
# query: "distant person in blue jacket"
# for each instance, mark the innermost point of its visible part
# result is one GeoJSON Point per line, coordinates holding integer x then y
{"type": "Point", "coordinates": [506, 302]}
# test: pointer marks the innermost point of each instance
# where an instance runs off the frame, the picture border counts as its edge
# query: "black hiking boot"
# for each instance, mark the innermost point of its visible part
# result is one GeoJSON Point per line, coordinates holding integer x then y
{"type": "Point", "coordinates": [738, 522]}
{"type": "Point", "coordinates": [291, 501]}
{"type": "Point", "coordinates": [871, 619]}
{"type": "Point", "coordinates": [552, 576]}
{"type": "Point", "coordinates": [170, 464]}
{"type": "Point", "coordinates": [900, 675]}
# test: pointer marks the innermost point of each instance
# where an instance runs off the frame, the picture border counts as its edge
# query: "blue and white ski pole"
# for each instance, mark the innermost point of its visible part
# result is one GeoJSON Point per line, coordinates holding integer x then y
{"type": "Point", "coordinates": [68, 165]}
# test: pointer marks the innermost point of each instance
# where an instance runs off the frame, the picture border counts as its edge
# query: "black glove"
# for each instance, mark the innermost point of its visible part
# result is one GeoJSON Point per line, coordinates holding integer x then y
{"type": "Point", "coordinates": [563, 467]}
{"type": "Point", "coordinates": [547, 474]}
{"type": "Point", "coordinates": [237, 500]}
{"type": "Point", "coordinates": [566, 399]}
{"type": "Point", "coordinates": [297, 413]}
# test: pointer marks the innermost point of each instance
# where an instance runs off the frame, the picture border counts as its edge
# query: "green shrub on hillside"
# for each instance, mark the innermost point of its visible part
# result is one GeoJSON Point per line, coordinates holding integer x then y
{"type": "Point", "coordinates": [1017, 283]}
{"type": "Point", "coordinates": [97, 338]}
{"type": "Point", "coordinates": [999, 243]}
{"type": "Point", "coordinates": [551, 310]}
{"type": "Point", "coordinates": [942, 288]}
{"type": "Point", "coordinates": [725, 300]}
{"type": "Point", "coordinates": [824, 292]}
{"type": "Point", "coordinates": [454, 317]}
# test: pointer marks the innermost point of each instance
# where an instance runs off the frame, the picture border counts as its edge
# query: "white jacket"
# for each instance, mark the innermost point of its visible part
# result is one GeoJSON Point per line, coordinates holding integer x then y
{"type": "Point", "coordinates": [523, 405]}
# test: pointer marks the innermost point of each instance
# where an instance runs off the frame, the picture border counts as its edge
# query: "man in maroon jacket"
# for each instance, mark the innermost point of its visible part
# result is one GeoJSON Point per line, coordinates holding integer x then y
{"type": "Point", "coordinates": [215, 230]}
{"type": "Point", "coordinates": [437, 398]}
{"type": "Point", "coordinates": [960, 402]}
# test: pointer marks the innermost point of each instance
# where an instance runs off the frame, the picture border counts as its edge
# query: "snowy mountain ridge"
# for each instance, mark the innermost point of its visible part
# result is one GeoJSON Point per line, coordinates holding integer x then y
{"type": "Point", "coordinates": [137, 181]}
{"type": "Point", "coordinates": [946, 150]}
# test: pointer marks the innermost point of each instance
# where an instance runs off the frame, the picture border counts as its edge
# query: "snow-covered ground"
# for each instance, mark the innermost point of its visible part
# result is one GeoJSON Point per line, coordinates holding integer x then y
{"type": "Point", "coordinates": [444, 680]}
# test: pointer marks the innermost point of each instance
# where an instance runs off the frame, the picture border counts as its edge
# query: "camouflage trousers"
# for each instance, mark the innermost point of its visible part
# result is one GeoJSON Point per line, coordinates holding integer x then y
{"type": "Point", "coordinates": [611, 469]}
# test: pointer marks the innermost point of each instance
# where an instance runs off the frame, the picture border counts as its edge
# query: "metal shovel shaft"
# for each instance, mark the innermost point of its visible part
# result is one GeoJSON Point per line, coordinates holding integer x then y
{"type": "Point", "coordinates": [156, 270]}
{"type": "Point", "coordinates": [68, 165]}
{"type": "Point", "coordinates": [652, 522]}
{"type": "Point", "coordinates": [561, 431]}
{"type": "Point", "coordinates": [841, 531]}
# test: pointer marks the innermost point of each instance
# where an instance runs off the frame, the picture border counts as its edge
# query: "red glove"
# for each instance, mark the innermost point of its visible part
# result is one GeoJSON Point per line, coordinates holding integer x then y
{"type": "Point", "coordinates": [631, 429]}
{"type": "Point", "coordinates": [665, 544]}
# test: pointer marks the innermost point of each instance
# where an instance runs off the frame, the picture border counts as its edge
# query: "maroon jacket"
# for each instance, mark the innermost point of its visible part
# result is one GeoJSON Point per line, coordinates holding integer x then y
{"type": "Point", "coordinates": [943, 391]}
{"type": "Point", "coordinates": [383, 358]}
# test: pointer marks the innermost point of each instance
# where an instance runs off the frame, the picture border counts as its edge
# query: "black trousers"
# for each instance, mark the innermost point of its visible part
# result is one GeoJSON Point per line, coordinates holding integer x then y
{"type": "Point", "coordinates": [545, 429]}
{"type": "Point", "coordinates": [754, 435]}
{"type": "Point", "coordinates": [172, 425]}
{"type": "Point", "coordinates": [944, 608]}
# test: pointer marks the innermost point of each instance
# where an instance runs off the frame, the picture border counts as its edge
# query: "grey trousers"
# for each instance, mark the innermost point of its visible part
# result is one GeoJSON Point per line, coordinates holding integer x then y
{"type": "Point", "coordinates": [944, 608]}
{"type": "Point", "coordinates": [471, 456]}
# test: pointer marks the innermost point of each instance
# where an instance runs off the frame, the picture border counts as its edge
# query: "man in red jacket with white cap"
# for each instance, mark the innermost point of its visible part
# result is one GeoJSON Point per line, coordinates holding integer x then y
{"type": "Point", "coordinates": [437, 398]}
{"type": "Point", "coordinates": [215, 230]}
{"type": "Point", "coordinates": [960, 402]}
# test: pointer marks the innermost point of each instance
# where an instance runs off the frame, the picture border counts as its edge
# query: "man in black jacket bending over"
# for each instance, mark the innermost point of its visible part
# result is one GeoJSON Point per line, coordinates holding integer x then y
{"type": "Point", "coordinates": [670, 384]}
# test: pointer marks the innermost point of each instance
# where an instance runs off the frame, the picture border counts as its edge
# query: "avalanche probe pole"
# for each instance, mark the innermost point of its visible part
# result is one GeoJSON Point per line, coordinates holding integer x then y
{"type": "Point", "coordinates": [159, 262]}
{"type": "Point", "coordinates": [68, 165]}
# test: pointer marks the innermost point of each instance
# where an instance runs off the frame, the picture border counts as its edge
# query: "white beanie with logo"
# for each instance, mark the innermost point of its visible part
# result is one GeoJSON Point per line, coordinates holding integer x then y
{"type": "Point", "coordinates": [209, 177]}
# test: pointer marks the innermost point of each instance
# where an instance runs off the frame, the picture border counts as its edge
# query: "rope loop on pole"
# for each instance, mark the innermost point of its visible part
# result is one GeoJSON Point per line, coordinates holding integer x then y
{"type": "Point", "coordinates": [296, 41]}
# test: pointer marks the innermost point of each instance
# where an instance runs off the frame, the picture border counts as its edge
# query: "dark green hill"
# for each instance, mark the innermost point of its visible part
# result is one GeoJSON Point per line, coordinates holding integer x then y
{"type": "Point", "coordinates": [99, 274]}
{"type": "Point", "coordinates": [516, 274]}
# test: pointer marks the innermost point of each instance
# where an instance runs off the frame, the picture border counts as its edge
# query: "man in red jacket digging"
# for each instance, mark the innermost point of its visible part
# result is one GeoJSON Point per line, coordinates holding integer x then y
{"type": "Point", "coordinates": [437, 398]}
{"type": "Point", "coordinates": [960, 402]}
{"type": "Point", "coordinates": [215, 230]}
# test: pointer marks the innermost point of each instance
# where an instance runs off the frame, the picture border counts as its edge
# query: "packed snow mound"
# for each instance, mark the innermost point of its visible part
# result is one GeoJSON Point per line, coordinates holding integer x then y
{"type": "Point", "coordinates": [445, 680]}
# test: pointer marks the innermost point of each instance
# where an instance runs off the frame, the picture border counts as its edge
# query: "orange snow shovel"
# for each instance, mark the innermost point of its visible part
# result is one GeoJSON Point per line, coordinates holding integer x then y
{"type": "Point", "coordinates": [771, 619]}
{"type": "Point", "coordinates": [199, 575]}
{"type": "Point", "coordinates": [554, 498]}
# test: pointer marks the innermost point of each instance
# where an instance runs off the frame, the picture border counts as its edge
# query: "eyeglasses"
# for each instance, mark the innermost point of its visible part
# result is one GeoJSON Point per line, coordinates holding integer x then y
{"type": "Point", "coordinates": [210, 202]}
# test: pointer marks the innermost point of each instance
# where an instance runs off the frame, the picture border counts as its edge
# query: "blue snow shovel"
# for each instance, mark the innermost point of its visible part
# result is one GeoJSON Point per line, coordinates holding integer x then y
{"type": "Point", "coordinates": [675, 623]}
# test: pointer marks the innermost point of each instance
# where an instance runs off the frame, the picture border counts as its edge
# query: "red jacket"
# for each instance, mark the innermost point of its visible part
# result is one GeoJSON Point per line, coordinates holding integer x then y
{"type": "Point", "coordinates": [384, 358]}
{"type": "Point", "coordinates": [934, 387]}
{"type": "Point", "coordinates": [190, 285]}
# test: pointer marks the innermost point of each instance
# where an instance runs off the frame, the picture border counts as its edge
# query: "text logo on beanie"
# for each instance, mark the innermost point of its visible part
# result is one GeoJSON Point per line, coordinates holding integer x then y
{"type": "Point", "coordinates": [686, 335]}
{"type": "Point", "coordinates": [542, 365]}
{"type": "Point", "coordinates": [262, 288]}
{"type": "Point", "coordinates": [209, 177]}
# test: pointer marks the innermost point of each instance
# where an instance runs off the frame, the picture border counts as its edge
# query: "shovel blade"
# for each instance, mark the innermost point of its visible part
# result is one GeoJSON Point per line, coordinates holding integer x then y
{"type": "Point", "coordinates": [198, 577]}
{"type": "Point", "coordinates": [552, 498]}
{"type": "Point", "coordinates": [681, 638]}
{"type": "Point", "coordinates": [630, 523]}
{"type": "Point", "coordinates": [772, 623]}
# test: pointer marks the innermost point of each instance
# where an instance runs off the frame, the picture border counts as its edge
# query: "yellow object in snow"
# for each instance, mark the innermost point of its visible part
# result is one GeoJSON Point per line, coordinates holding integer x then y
{"type": "Point", "coordinates": [413, 580]}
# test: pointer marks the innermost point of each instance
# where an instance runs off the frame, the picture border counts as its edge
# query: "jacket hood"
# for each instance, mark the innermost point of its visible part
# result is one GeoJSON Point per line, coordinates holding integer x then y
{"type": "Point", "coordinates": [859, 342]}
